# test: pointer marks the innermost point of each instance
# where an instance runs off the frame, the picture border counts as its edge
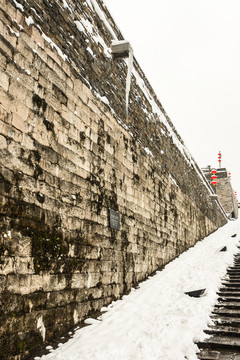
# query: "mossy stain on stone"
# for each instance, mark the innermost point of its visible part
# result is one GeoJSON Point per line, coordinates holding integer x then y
{"type": "Point", "coordinates": [49, 251]}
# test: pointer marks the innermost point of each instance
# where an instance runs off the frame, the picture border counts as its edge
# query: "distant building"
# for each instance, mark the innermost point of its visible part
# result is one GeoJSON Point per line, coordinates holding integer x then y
{"type": "Point", "coordinates": [223, 190]}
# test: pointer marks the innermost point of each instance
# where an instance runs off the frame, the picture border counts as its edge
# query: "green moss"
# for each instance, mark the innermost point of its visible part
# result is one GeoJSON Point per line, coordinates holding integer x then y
{"type": "Point", "coordinates": [20, 345]}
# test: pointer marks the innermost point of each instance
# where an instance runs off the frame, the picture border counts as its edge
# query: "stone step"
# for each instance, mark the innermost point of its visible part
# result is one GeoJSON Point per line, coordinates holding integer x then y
{"type": "Point", "coordinates": [228, 305]}
{"type": "Point", "coordinates": [224, 293]}
{"type": "Point", "coordinates": [224, 343]}
{"type": "Point", "coordinates": [233, 267]}
{"type": "Point", "coordinates": [228, 298]}
{"type": "Point", "coordinates": [231, 283]}
{"type": "Point", "coordinates": [221, 343]}
{"type": "Point", "coordinates": [232, 277]}
{"type": "Point", "coordinates": [226, 320]}
{"type": "Point", "coordinates": [221, 330]}
{"type": "Point", "coordinates": [216, 355]}
{"type": "Point", "coordinates": [227, 312]}
{"type": "Point", "coordinates": [230, 288]}
{"type": "Point", "coordinates": [233, 274]}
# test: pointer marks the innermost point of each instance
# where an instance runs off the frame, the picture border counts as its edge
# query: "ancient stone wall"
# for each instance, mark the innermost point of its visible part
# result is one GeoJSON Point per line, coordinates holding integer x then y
{"type": "Point", "coordinates": [69, 154]}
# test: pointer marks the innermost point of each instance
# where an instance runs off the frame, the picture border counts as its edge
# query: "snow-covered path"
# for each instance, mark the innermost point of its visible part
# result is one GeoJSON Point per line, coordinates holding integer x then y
{"type": "Point", "coordinates": [159, 321]}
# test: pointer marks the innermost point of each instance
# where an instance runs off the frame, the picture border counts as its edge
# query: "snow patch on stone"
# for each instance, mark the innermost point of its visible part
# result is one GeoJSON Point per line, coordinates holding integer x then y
{"type": "Point", "coordinates": [104, 99]}
{"type": "Point", "coordinates": [53, 45]}
{"type": "Point", "coordinates": [89, 280]}
{"type": "Point", "coordinates": [173, 180]}
{"type": "Point", "coordinates": [79, 25]}
{"type": "Point", "coordinates": [75, 317]}
{"type": "Point", "coordinates": [148, 151]}
{"type": "Point", "coordinates": [29, 21]}
{"type": "Point", "coordinates": [18, 5]}
{"type": "Point", "coordinates": [103, 18]}
{"type": "Point", "coordinates": [66, 6]}
{"type": "Point", "coordinates": [41, 327]}
{"type": "Point", "coordinates": [90, 51]}
{"type": "Point", "coordinates": [12, 31]}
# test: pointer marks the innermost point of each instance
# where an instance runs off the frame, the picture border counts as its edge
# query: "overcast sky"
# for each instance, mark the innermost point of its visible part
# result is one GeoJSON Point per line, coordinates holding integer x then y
{"type": "Point", "coordinates": [190, 52]}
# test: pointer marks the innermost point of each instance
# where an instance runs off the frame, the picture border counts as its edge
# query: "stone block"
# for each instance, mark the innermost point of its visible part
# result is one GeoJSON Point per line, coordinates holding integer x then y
{"type": "Point", "coordinates": [79, 281]}
{"type": "Point", "coordinates": [53, 282]}
{"type": "Point", "coordinates": [7, 265]}
{"type": "Point", "coordinates": [57, 299]}
{"type": "Point", "coordinates": [18, 123]}
{"type": "Point", "coordinates": [24, 265]}
{"type": "Point", "coordinates": [22, 111]}
{"type": "Point", "coordinates": [8, 8]}
{"type": "Point", "coordinates": [3, 142]}
{"type": "Point", "coordinates": [37, 37]}
{"type": "Point", "coordinates": [66, 114]}
{"type": "Point", "coordinates": [78, 87]}
{"type": "Point", "coordinates": [52, 55]}
{"type": "Point", "coordinates": [18, 284]}
{"type": "Point", "coordinates": [6, 47]}
{"type": "Point", "coordinates": [4, 81]}
{"type": "Point", "coordinates": [11, 36]}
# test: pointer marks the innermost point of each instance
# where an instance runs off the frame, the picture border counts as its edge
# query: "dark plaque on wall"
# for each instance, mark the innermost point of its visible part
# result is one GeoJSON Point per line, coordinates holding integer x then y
{"type": "Point", "coordinates": [114, 219]}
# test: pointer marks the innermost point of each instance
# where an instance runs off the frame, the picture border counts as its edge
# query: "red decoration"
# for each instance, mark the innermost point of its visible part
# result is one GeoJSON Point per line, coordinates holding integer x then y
{"type": "Point", "coordinates": [214, 177]}
{"type": "Point", "coordinates": [219, 158]}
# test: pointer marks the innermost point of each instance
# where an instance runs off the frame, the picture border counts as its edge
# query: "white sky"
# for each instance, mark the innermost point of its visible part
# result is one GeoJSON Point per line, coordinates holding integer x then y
{"type": "Point", "coordinates": [190, 53]}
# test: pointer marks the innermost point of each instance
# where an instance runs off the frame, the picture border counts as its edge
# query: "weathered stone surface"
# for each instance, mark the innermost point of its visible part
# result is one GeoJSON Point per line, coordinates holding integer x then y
{"type": "Point", "coordinates": [68, 155]}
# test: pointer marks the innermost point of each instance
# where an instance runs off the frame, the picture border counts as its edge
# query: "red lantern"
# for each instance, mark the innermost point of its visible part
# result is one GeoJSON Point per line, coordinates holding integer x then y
{"type": "Point", "coordinates": [219, 158]}
{"type": "Point", "coordinates": [214, 177]}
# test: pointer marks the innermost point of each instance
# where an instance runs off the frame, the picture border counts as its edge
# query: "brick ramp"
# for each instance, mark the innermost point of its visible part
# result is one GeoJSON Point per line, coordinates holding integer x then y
{"type": "Point", "coordinates": [224, 343]}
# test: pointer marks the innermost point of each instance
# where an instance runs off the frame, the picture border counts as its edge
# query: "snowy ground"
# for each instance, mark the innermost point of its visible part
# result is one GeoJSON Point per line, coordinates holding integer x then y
{"type": "Point", "coordinates": [159, 321]}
